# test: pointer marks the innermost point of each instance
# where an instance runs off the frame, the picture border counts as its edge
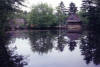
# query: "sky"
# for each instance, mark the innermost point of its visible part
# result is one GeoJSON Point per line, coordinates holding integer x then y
{"type": "Point", "coordinates": [53, 3]}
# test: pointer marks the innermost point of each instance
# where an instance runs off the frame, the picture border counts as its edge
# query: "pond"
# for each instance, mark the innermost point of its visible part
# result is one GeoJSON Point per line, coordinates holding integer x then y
{"type": "Point", "coordinates": [48, 48]}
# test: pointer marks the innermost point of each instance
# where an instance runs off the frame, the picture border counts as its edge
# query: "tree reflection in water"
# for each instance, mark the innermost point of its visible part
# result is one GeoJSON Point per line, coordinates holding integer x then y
{"type": "Point", "coordinates": [7, 59]}
{"type": "Point", "coordinates": [61, 43]}
{"type": "Point", "coordinates": [72, 45]}
{"type": "Point", "coordinates": [90, 47]}
{"type": "Point", "coordinates": [62, 40]}
{"type": "Point", "coordinates": [42, 41]}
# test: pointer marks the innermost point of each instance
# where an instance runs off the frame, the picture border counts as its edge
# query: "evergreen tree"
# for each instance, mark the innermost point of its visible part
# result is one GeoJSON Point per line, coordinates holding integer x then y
{"type": "Point", "coordinates": [72, 8]}
{"type": "Point", "coordinates": [90, 10]}
{"type": "Point", "coordinates": [63, 8]}
{"type": "Point", "coordinates": [61, 14]}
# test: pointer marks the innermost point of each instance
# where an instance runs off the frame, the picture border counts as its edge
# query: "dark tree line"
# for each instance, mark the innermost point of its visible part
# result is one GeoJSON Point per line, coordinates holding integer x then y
{"type": "Point", "coordinates": [91, 45]}
{"type": "Point", "coordinates": [91, 9]}
{"type": "Point", "coordinates": [6, 8]}
{"type": "Point", "coordinates": [6, 60]}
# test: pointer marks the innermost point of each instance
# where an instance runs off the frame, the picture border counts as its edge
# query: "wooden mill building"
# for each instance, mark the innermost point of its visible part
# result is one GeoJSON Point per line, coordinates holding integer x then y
{"type": "Point", "coordinates": [74, 23]}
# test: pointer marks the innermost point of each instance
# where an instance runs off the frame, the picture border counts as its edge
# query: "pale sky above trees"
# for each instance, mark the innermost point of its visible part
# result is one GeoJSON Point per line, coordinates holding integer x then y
{"type": "Point", "coordinates": [53, 3]}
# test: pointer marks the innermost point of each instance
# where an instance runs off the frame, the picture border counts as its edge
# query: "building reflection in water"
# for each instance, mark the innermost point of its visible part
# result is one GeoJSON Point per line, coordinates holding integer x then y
{"type": "Point", "coordinates": [48, 42]}
{"type": "Point", "coordinates": [73, 37]}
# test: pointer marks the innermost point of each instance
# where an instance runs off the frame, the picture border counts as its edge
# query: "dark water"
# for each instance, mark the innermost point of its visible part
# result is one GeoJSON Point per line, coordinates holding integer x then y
{"type": "Point", "coordinates": [49, 49]}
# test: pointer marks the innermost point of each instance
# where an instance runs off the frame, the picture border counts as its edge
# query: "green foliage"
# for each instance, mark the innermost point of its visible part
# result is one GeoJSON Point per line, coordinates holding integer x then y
{"type": "Point", "coordinates": [16, 15]}
{"type": "Point", "coordinates": [42, 16]}
{"type": "Point", "coordinates": [83, 19]}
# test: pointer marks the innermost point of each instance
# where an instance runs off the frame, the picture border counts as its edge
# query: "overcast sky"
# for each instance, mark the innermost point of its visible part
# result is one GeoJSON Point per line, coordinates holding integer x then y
{"type": "Point", "coordinates": [53, 3]}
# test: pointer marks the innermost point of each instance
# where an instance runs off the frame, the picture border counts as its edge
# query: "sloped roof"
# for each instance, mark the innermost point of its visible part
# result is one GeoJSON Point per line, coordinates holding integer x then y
{"type": "Point", "coordinates": [73, 18]}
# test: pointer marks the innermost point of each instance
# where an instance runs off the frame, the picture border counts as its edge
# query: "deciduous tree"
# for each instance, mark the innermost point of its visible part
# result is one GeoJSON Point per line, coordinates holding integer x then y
{"type": "Point", "coordinates": [42, 16]}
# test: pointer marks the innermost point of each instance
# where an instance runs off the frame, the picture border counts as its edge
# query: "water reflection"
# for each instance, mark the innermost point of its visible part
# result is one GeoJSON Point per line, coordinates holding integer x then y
{"type": "Point", "coordinates": [41, 41]}
{"type": "Point", "coordinates": [40, 49]}
{"type": "Point", "coordinates": [62, 40]}
{"type": "Point", "coordinates": [90, 47]}
{"type": "Point", "coordinates": [7, 59]}
{"type": "Point", "coordinates": [73, 37]}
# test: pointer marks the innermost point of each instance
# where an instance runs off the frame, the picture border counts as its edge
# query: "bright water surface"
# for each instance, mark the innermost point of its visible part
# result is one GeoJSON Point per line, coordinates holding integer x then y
{"type": "Point", "coordinates": [50, 48]}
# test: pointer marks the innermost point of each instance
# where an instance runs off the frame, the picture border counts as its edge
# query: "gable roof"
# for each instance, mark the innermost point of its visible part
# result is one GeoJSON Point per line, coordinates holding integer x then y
{"type": "Point", "coordinates": [73, 18]}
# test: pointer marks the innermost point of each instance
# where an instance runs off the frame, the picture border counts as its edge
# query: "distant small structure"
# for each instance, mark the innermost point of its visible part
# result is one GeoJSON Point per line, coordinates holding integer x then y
{"type": "Point", "coordinates": [17, 23]}
{"type": "Point", "coordinates": [73, 21]}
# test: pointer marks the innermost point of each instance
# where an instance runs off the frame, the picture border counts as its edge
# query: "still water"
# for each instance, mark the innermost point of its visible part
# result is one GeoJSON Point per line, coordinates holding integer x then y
{"type": "Point", "coordinates": [49, 48]}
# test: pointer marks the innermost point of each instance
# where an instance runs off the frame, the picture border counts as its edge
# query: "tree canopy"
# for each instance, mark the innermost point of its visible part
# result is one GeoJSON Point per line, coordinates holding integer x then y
{"type": "Point", "coordinates": [42, 16]}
